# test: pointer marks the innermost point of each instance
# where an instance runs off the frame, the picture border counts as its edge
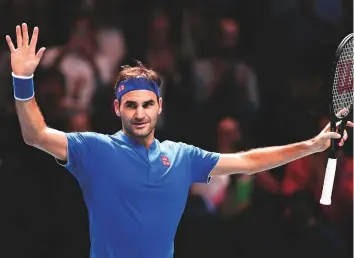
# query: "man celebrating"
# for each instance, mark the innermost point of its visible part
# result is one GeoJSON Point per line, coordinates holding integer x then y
{"type": "Point", "coordinates": [135, 187]}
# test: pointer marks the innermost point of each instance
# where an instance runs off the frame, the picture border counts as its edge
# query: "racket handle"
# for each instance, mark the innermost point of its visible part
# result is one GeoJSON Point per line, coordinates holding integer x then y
{"type": "Point", "coordinates": [341, 128]}
{"type": "Point", "coordinates": [328, 182]}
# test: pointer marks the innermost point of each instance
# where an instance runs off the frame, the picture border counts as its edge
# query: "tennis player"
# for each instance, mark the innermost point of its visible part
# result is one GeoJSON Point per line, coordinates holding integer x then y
{"type": "Point", "coordinates": [135, 187]}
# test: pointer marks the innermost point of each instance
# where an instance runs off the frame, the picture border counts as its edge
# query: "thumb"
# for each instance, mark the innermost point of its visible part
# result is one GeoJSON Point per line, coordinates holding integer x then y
{"type": "Point", "coordinates": [40, 53]}
{"type": "Point", "coordinates": [331, 135]}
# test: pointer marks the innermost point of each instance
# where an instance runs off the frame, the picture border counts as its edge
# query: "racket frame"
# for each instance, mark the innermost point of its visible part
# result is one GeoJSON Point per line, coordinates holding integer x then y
{"type": "Point", "coordinates": [332, 153]}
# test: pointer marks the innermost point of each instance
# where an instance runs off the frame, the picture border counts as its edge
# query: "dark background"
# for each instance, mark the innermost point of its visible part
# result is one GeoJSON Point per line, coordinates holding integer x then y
{"type": "Point", "coordinates": [238, 75]}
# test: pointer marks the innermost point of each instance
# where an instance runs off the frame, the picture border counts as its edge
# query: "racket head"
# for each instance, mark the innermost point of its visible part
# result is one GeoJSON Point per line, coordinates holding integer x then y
{"type": "Point", "coordinates": [341, 87]}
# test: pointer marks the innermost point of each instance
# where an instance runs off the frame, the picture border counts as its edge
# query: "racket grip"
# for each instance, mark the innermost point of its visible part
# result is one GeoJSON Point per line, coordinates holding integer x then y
{"type": "Point", "coordinates": [341, 128]}
{"type": "Point", "coordinates": [328, 182]}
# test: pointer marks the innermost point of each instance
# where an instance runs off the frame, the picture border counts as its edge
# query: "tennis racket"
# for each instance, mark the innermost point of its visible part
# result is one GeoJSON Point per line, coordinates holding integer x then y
{"type": "Point", "coordinates": [340, 107]}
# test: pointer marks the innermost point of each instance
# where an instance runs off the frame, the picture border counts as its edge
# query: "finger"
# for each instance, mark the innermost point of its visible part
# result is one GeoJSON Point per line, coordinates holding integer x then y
{"type": "Point", "coordinates": [34, 39]}
{"type": "Point", "coordinates": [343, 139]}
{"type": "Point", "coordinates": [345, 135]}
{"type": "Point", "coordinates": [40, 53]}
{"type": "Point", "coordinates": [342, 112]}
{"type": "Point", "coordinates": [328, 126]}
{"type": "Point", "coordinates": [18, 36]}
{"type": "Point", "coordinates": [24, 35]}
{"type": "Point", "coordinates": [350, 124]}
{"type": "Point", "coordinates": [339, 123]}
{"type": "Point", "coordinates": [341, 143]}
{"type": "Point", "coordinates": [331, 135]}
{"type": "Point", "coordinates": [9, 42]}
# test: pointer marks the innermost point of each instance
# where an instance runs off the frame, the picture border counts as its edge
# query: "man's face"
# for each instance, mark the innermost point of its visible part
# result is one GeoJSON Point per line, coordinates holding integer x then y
{"type": "Point", "coordinates": [138, 110]}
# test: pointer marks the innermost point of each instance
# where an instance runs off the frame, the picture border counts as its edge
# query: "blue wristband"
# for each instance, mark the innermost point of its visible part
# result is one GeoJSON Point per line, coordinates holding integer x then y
{"type": "Point", "coordinates": [23, 87]}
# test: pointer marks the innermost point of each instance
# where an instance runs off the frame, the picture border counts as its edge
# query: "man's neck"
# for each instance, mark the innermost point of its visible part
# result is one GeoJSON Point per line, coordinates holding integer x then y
{"type": "Point", "coordinates": [145, 141]}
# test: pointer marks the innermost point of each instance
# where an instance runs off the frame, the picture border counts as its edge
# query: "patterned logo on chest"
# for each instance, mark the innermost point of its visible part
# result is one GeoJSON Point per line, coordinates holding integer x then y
{"type": "Point", "coordinates": [165, 161]}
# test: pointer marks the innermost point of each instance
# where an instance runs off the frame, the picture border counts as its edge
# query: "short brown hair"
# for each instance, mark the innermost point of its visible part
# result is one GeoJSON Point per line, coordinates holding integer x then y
{"type": "Point", "coordinates": [139, 70]}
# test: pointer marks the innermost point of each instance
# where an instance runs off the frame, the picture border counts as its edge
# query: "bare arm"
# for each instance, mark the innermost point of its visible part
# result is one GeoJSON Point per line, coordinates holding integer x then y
{"type": "Point", "coordinates": [35, 132]}
{"type": "Point", "coordinates": [263, 159]}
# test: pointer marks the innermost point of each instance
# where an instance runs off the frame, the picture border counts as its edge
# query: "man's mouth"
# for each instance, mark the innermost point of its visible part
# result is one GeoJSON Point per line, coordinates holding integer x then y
{"type": "Point", "coordinates": [139, 125]}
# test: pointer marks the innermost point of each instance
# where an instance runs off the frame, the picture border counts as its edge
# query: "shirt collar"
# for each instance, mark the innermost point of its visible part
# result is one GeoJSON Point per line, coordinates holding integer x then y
{"type": "Point", "coordinates": [132, 142]}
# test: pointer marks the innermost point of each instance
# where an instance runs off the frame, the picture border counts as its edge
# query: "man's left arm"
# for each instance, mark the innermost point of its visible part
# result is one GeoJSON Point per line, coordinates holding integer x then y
{"type": "Point", "coordinates": [263, 159]}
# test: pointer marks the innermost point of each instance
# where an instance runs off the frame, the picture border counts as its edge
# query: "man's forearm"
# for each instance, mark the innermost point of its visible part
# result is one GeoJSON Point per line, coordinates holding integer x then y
{"type": "Point", "coordinates": [270, 157]}
{"type": "Point", "coordinates": [261, 159]}
{"type": "Point", "coordinates": [31, 120]}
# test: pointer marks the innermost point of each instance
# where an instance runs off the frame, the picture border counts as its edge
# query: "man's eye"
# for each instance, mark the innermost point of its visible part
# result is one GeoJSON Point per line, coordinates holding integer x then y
{"type": "Point", "coordinates": [148, 104]}
{"type": "Point", "coordinates": [131, 105]}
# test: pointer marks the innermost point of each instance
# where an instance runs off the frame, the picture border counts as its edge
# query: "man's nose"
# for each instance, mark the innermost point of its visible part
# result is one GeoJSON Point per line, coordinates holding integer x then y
{"type": "Point", "coordinates": [140, 113]}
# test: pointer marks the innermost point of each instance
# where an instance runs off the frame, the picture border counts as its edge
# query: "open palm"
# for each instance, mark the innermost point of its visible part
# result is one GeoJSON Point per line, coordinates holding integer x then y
{"type": "Point", "coordinates": [24, 59]}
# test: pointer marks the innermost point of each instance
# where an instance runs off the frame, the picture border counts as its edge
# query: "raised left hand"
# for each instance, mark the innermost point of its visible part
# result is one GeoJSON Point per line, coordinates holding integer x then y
{"type": "Point", "coordinates": [24, 59]}
{"type": "Point", "coordinates": [322, 141]}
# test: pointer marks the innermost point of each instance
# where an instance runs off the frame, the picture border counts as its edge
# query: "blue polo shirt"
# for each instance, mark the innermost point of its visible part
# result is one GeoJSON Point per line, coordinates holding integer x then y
{"type": "Point", "coordinates": [135, 197]}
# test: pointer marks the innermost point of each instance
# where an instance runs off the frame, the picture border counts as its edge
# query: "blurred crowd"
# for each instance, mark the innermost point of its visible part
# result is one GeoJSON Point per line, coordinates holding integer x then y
{"type": "Point", "coordinates": [238, 74]}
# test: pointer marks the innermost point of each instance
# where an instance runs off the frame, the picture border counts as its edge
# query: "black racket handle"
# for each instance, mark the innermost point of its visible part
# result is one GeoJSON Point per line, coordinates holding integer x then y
{"type": "Point", "coordinates": [341, 128]}
{"type": "Point", "coordinates": [334, 142]}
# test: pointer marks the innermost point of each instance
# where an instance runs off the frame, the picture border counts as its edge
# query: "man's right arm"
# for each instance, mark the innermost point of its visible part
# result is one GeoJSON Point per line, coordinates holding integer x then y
{"type": "Point", "coordinates": [36, 133]}
{"type": "Point", "coordinates": [24, 61]}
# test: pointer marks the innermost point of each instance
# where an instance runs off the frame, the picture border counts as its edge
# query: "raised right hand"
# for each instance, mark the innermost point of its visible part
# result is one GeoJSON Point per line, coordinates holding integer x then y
{"type": "Point", "coordinates": [24, 59]}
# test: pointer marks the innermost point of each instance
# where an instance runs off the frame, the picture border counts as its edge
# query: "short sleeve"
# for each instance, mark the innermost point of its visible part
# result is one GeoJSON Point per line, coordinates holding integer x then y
{"type": "Point", "coordinates": [80, 149]}
{"type": "Point", "coordinates": [202, 163]}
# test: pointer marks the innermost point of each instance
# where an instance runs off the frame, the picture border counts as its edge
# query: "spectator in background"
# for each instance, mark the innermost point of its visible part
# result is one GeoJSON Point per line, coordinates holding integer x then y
{"type": "Point", "coordinates": [302, 186]}
{"type": "Point", "coordinates": [76, 61]}
{"type": "Point", "coordinates": [305, 174]}
{"type": "Point", "coordinates": [79, 121]}
{"type": "Point", "coordinates": [178, 92]}
{"type": "Point", "coordinates": [226, 83]}
{"type": "Point", "coordinates": [52, 99]}
{"type": "Point", "coordinates": [159, 32]}
{"type": "Point", "coordinates": [226, 194]}
{"type": "Point", "coordinates": [89, 60]}
{"type": "Point", "coordinates": [111, 50]}
{"type": "Point", "coordinates": [237, 193]}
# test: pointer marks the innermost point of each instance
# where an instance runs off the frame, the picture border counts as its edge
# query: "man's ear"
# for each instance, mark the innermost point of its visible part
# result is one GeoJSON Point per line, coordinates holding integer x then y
{"type": "Point", "coordinates": [160, 105]}
{"type": "Point", "coordinates": [116, 107]}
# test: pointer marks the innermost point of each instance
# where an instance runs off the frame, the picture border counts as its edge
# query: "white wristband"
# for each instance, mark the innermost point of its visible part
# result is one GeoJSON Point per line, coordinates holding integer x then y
{"type": "Point", "coordinates": [21, 76]}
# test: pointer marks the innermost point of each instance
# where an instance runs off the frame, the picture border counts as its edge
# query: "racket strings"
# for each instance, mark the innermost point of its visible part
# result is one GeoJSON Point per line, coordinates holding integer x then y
{"type": "Point", "coordinates": [343, 81]}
